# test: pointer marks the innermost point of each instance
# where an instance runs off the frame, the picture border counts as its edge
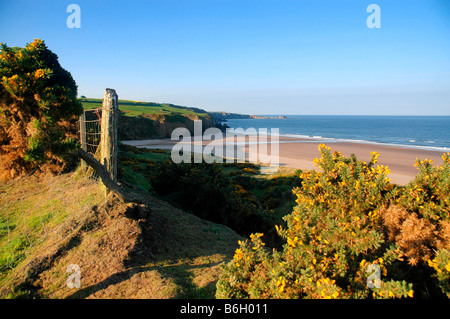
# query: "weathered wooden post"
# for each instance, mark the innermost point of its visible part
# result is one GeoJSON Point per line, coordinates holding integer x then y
{"type": "Point", "coordinates": [108, 140]}
{"type": "Point", "coordinates": [83, 137]}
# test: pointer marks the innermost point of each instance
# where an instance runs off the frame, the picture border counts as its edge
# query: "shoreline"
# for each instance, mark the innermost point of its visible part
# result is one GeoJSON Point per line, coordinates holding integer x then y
{"type": "Point", "coordinates": [400, 160]}
{"type": "Point", "coordinates": [299, 153]}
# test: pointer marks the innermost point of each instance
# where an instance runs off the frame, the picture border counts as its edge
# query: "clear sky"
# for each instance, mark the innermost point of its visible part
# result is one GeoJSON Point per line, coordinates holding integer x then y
{"type": "Point", "coordinates": [250, 56]}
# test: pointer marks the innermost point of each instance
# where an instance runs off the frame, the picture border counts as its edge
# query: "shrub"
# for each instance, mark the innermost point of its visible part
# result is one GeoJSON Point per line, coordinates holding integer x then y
{"type": "Point", "coordinates": [348, 218]}
{"type": "Point", "coordinates": [441, 264]}
{"type": "Point", "coordinates": [205, 191]}
{"type": "Point", "coordinates": [38, 108]}
{"type": "Point", "coordinates": [423, 234]}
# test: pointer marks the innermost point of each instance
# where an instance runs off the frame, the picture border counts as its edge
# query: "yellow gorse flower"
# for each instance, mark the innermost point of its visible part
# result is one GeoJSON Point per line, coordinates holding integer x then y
{"type": "Point", "coordinates": [281, 283]}
{"type": "Point", "coordinates": [374, 156]}
{"type": "Point", "coordinates": [255, 236]}
{"type": "Point", "coordinates": [238, 255]}
{"type": "Point", "coordinates": [323, 146]}
{"type": "Point", "coordinates": [36, 43]}
{"type": "Point", "coordinates": [38, 74]}
{"type": "Point", "coordinates": [292, 241]}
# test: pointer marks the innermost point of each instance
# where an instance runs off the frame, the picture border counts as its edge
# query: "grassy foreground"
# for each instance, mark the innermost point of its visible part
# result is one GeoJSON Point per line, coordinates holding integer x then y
{"type": "Point", "coordinates": [348, 217]}
{"type": "Point", "coordinates": [124, 251]}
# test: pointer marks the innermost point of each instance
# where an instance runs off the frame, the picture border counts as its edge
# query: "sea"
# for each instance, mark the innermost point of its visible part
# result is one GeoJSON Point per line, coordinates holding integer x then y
{"type": "Point", "coordinates": [420, 132]}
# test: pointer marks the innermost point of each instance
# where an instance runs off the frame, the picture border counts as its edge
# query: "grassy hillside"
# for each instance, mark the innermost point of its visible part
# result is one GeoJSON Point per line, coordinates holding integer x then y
{"type": "Point", "coordinates": [124, 251]}
{"type": "Point", "coordinates": [136, 108]}
{"type": "Point", "coordinates": [146, 120]}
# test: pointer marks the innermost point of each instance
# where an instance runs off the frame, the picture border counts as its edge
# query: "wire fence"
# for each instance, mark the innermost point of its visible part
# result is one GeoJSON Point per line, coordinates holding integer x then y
{"type": "Point", "coordinates": [98, 132]}
{"type": "Point", "coordinates": [90, 130]}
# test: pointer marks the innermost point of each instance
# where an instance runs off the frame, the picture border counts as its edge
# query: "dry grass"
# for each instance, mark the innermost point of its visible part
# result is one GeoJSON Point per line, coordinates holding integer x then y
{"type": "Point", "coordinates": [38, 214]}
{"type": "Point", "coordinates": [124, 251]}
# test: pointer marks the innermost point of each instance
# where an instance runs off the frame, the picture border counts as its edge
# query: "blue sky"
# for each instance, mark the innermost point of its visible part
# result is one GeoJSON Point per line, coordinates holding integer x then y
{"type": "Point", "coordinates": [250, 56]}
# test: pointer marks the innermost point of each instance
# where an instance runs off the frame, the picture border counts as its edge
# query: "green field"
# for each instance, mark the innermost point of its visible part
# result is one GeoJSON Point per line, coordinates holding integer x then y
{"type": "Point", "coordinates": [136, 108]}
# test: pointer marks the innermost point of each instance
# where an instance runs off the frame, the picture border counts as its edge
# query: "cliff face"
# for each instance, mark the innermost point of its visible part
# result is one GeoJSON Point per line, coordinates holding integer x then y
{"type": "Point", "coordinates": [150, 126]}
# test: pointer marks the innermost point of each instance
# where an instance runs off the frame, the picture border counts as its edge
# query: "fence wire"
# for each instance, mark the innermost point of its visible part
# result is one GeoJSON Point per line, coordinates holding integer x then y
{"type": "Point", "coordinates": [90, 131]}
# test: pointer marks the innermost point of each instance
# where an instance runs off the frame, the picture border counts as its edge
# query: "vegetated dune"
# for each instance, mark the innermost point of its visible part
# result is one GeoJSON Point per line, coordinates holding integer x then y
{"type": "Point", "coordinates": [152, 250]}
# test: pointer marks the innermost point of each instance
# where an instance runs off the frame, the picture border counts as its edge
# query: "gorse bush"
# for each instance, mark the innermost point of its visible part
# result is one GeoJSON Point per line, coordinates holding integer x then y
{"type": "Point", "coordinates": [38, 108]}
{"type": "Point", "coordinates": [423, 233]}
{"type": "Point", "coordinates": [349, 222]}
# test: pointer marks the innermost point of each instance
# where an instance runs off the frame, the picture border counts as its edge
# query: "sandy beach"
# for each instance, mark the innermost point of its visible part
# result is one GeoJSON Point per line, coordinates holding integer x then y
{"type": "Point", "coordinates": [300, 153]}
{"type": "Point", "coordinates": [400, 160]}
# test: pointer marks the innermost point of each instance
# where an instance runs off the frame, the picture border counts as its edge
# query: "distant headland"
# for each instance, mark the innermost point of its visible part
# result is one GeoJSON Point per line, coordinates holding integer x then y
{"type": "Point", "coordinates": [268, 117]}
{"type": "Point", "coordinates": [223, 116]}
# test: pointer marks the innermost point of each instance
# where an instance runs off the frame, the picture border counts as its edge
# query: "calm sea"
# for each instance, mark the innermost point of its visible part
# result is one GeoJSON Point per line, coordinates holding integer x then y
{"type": "Point", "coordinates": [424, 132]}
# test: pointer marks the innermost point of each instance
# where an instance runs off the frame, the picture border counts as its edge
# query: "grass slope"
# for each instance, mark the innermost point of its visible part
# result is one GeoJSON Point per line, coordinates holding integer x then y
{"type": "Point", "coordinates": [124, 251]}
{"type": "Point", "coordinates": [136, 108]}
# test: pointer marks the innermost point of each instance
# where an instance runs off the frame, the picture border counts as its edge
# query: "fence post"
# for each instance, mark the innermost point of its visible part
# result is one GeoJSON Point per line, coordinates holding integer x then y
{"type": "Point", "coordinates": [83, 137]}
{"type": "Point", "coordinates": [108, 139]}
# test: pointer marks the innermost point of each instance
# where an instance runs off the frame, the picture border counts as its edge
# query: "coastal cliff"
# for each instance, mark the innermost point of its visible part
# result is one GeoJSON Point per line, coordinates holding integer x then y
{"type": "Point", "coordinates": [147, 120]}
{"type": "Point", "coordinates": [151, 120]}
{"type": "Point", "coordinates": [149, 126]}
